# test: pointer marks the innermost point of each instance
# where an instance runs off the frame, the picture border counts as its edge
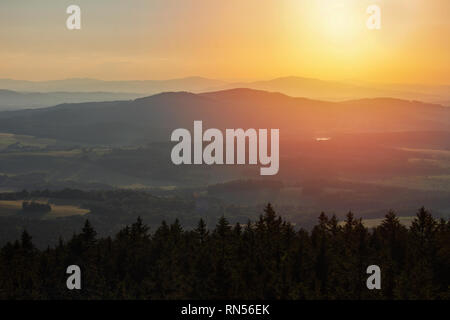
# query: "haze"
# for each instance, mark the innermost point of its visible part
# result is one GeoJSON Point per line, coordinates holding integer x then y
{"type": "Point", "coordinates": [231, 40]}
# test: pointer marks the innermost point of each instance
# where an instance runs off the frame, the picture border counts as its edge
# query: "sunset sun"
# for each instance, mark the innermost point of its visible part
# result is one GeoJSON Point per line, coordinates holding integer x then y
{"type": "Point", "coordinates": [338, 20]}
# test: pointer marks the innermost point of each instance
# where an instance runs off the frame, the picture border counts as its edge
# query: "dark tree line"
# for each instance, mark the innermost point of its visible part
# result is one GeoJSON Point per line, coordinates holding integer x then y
{"type": "Point", "coordinates": [266, 259]}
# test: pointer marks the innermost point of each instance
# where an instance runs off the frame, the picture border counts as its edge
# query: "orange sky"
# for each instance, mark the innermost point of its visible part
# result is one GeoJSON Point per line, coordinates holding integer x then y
{"type": "Point", "coordinates": [231, 40]}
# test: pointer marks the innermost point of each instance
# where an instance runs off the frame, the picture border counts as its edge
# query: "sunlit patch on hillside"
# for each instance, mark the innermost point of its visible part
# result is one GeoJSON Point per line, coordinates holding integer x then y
{"type": "Point", "coordinates": [14, 207]}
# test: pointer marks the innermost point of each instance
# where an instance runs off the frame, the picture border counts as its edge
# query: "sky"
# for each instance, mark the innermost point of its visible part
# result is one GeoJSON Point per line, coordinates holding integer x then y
{"type": "Point", "coordinates": [228, 39]}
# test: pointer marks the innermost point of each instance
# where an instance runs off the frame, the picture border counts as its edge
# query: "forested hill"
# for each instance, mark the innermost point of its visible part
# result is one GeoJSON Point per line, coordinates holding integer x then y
{"type": "Point", "coordinates": [154, 118]}
{"type": "Point", "coordinates": [266, 259]}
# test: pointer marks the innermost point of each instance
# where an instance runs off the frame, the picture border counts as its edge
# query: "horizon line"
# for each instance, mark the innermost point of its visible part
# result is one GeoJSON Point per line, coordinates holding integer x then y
{"type": "Point", "coordinates": [357, 81]}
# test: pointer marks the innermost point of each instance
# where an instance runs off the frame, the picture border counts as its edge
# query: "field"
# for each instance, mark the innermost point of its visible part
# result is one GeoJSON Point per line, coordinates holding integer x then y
{"type": "Point", "coordinates": [8, 208]}
{"type": "Point", "coordinates": [7, 139]}
{"type": "Point", "coordinates": [372, 223]}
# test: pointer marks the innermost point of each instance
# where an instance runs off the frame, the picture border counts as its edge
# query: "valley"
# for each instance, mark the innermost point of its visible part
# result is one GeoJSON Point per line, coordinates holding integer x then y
{"type": "Point", "coordinates": [366, 164]}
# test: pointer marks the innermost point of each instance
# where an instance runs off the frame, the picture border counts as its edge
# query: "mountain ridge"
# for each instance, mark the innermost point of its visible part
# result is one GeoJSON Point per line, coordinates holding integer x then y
{"type": "Point", "coordinates": [290, 85]}
{"type": "Point", "coordinates": [153, 118]}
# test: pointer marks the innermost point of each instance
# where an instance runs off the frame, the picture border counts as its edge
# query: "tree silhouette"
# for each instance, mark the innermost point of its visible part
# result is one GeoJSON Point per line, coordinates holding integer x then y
{"type": "Point", "coordinates": [266, 259]}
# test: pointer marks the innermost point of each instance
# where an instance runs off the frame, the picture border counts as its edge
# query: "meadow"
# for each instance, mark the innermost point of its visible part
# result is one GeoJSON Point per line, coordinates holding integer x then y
{"type": "Point", "coordinates": [14, 207]}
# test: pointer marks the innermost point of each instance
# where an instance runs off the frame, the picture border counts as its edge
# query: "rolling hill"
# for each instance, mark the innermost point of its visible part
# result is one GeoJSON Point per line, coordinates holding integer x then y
{"type": "Point", "coordinates": [153, 118]}
{"type": "Point", "coordinates": [346, 90]}
{"type": "Point", "coordinates": [292, 86]}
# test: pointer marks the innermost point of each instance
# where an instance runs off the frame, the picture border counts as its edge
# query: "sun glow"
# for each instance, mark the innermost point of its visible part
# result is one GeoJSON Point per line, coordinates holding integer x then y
{"type": "Point", "coordinates": [339, 21]}
{"type": "Point", "coordinates": [234, 39]}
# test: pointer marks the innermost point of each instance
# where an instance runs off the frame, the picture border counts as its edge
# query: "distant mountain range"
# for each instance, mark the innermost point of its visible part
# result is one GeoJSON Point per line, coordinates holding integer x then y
{"type": "Point", "coordinates": [13, 100]}
{"type": "Point", "coordinates": [147, 87]}
{"type": "Point", "coordinates": [153, 118]}
{"type": "Point", "coordinates": [340, 91]}
{"type": "Point", "coordinates": [292, 86]}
